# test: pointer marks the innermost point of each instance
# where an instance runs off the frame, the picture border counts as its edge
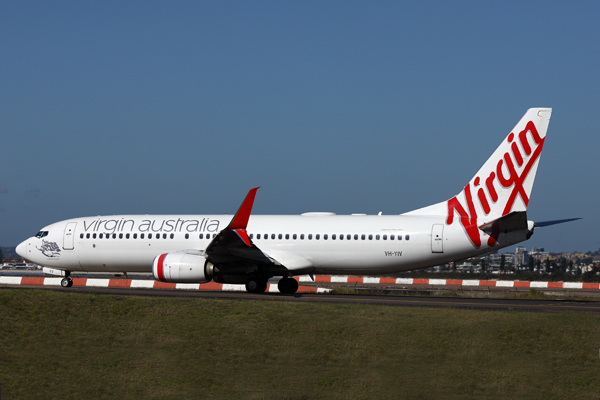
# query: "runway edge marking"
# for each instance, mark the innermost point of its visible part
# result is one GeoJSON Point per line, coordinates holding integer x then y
{"type": "Point", "coordinates": [147, 284]}
{"type": "Point", "coordinates": [144, 284]}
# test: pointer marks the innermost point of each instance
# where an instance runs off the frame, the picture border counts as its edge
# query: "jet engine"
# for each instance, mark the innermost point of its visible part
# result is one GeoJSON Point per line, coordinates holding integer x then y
{"type": "Point", "coordinates": [187, 266]}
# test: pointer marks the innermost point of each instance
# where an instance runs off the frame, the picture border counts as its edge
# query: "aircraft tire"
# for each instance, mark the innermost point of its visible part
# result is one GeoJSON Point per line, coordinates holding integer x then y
{"type": "Point", "coordinates": [66, 282]}
{"type": "Point", "coordinates": [263, 286]}
{"type": "Point", "coordinates": [287, 286]}
{"type": "Point", "coordinates": [256, 285]}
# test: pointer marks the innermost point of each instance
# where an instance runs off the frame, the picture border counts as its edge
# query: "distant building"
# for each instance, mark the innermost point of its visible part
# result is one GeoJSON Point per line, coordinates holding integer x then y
{"type": "Point", "coordinates": [539, 253]}
{"type": "Point", "coordinates": [521, 256]}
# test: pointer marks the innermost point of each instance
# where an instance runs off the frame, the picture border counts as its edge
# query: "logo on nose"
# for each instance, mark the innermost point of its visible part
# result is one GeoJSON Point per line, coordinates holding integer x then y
{"type": "Point", "coordinates": [49, 249]}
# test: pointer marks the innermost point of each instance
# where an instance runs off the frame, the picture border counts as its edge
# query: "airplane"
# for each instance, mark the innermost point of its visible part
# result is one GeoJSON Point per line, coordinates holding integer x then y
{"type": "Point", "coordinates": [488, 214]}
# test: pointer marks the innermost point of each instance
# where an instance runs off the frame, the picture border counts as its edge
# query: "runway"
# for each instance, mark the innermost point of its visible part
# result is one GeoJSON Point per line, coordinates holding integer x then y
{"type": "Point", "coordinates": [559, 306]}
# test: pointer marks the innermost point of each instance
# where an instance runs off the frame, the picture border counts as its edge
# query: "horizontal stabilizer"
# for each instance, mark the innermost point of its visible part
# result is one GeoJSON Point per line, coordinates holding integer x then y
{"type": "Point", "coordinates": [556, 221]}
{"type": "Point", "coordinates": [515, 221]}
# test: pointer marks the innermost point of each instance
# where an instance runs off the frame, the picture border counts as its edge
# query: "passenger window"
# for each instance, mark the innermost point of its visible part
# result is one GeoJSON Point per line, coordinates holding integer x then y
{"type": "Point", "coordinates": [310, 236]}
{"type": "Point", "coordinates": [341, 237]}
{"type": "Point", "coordinates": [295, 236]}
{"type": "Point", "coordinates": [202, 236]}
{"type": "Point", "coordinates": [187, 235]}
{"type": "Point", "coordinates": [272, 236]}
{"type": "Point", "coordinates": [101, 235]}
{"type": "Point", "coordinates": [120, 236]}
{"type": "Point", "coordinates": [251, 236]}
{"type": "Point", "coordinates": [135, 235]}
{"type": "Point", "coordinates": [127, 235]}
{"type": "Point", "coordinates": [287, 236]}
{"type": "Point", "coordinates": [94, 236]}
{"type": "Point", "coordinates": [355, 237]}
{"type": "Point", "coordinates": [149, 236]}
{"type": "Point", "coordinates": [317, 236]}
{"type": "Point", "coordinates": [80, 236]}
{"type": "Point", "coordinates": [172, 235]}
{"type": "Point", "coordinates": [258, 235]}
{"type": "Point", "coordinates": [384, 237]}
{"type": "Point", "coordinates": [141, 236]}
{"type": "Point", "coordinates": [391, 237]}
{"type": "Point", "coordinates": [164, 235]}
{"type": "Point", "coordinates": [407, 237]}
{"type": "Point", "coordinates": [362, 237]}
{"type": "Point", "coordinates": [333, 237]}
{"type": "Point", "coordinates": [302, 236]}
{"type": "Point", "coordinates": [348, 237]}
{"type": "Point", "coordinates": [376, 237]}
{"type": "Point", "coordinates": [280, 236]}
{"type": "Point", "coordinates": [370, 237]}
{"type": "Point", "coordinates": [399, 237]}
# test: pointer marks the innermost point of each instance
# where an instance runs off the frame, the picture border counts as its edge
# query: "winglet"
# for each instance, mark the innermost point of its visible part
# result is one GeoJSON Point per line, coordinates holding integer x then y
{"type": "Point", "coordinates": [241, 217]}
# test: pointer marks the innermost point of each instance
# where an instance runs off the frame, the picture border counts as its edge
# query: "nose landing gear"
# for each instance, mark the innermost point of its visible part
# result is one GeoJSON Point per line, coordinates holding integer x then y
{"type": "Point", "coordinates": [67, 281]}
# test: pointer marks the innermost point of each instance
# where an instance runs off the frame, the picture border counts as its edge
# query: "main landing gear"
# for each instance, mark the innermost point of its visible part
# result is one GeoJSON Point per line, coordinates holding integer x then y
{"type": "Point", "coordinates": [287, 285]}
{"type": "Point", "coordinates": [66, 281]}
{"type": "Point", "coordinates": [256, 285]}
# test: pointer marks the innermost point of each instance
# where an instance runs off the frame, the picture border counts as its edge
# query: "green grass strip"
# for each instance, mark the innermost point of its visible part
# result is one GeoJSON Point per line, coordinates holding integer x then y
{"type": "Point", "coordinates": [56, 345]}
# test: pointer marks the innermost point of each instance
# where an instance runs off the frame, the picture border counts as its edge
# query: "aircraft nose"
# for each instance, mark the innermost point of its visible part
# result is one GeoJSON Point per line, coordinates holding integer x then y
{"type": "Point", "coordinates": [22, 249]}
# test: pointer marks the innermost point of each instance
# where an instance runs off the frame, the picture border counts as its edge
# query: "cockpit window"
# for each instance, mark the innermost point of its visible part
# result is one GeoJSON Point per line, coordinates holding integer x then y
{"type": "Point", "coordinates": [41, 234]}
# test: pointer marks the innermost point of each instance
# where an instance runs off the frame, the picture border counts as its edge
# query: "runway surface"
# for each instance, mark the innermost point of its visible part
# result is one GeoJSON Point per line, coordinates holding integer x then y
{"type": "Point", "coordinates": [591, 307]}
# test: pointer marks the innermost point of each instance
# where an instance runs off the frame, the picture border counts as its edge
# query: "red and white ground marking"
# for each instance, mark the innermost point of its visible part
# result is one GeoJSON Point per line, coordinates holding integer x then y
{"type": "Point", "coordinates": [450, 282]}
{"type": "Point", "coordinates": [272, 288]}
{"type": "Point", "coordinates": [143, 284]}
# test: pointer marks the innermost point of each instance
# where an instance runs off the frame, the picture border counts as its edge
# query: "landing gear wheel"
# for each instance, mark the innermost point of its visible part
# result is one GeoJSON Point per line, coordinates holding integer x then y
{"type": "Point", "coordinates": [256, 285]}
{"type": "Point", "coordinates": [287, 286]}
{"type": "Point", "coordinates": [66, 282]}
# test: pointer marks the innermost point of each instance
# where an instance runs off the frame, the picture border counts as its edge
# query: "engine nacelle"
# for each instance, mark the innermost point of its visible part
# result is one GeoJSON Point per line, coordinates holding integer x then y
{"type": "Point", "coordinates": [188, 266]}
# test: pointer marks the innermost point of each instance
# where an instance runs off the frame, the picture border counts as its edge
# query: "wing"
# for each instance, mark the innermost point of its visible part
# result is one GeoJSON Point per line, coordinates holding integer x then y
{"type": "Point", "coordinates": [232, 248]}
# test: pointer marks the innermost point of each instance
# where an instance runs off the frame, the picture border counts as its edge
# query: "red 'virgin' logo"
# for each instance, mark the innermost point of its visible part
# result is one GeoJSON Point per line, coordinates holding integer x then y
{"type": "Point", "coordinates": [469, 219]}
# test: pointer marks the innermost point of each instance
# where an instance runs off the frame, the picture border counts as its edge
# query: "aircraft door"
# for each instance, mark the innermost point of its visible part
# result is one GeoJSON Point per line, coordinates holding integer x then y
{"type": "Point", "coordinates": [437, 238]}
{"type": "Point", "coordinates": [69, 238]}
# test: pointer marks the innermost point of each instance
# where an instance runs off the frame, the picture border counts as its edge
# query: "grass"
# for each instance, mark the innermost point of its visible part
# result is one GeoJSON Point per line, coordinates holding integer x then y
{"type": "Point", "coordinates": [532, 293]}
{"type": "Point", "coordinates": [57, 345]}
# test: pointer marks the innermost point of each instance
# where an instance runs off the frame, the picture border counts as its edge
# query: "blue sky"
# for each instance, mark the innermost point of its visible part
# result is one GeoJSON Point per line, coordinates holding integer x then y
{"type": "Point", "coordinates": [181, 107]}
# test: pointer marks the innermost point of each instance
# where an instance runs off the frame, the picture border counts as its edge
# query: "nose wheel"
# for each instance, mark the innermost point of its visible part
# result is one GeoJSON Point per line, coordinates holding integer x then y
{"type": "Point", "coordinates": [66, 282]}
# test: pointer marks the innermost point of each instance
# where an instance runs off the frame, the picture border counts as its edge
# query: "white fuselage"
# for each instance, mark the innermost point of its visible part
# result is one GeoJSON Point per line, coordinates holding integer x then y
{"type": "Point", "coordinates": [303, 244]}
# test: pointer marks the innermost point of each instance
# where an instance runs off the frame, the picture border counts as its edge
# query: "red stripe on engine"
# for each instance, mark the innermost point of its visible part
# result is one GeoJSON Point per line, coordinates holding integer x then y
{"type": "Point", "coordinates": [159, 267]}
